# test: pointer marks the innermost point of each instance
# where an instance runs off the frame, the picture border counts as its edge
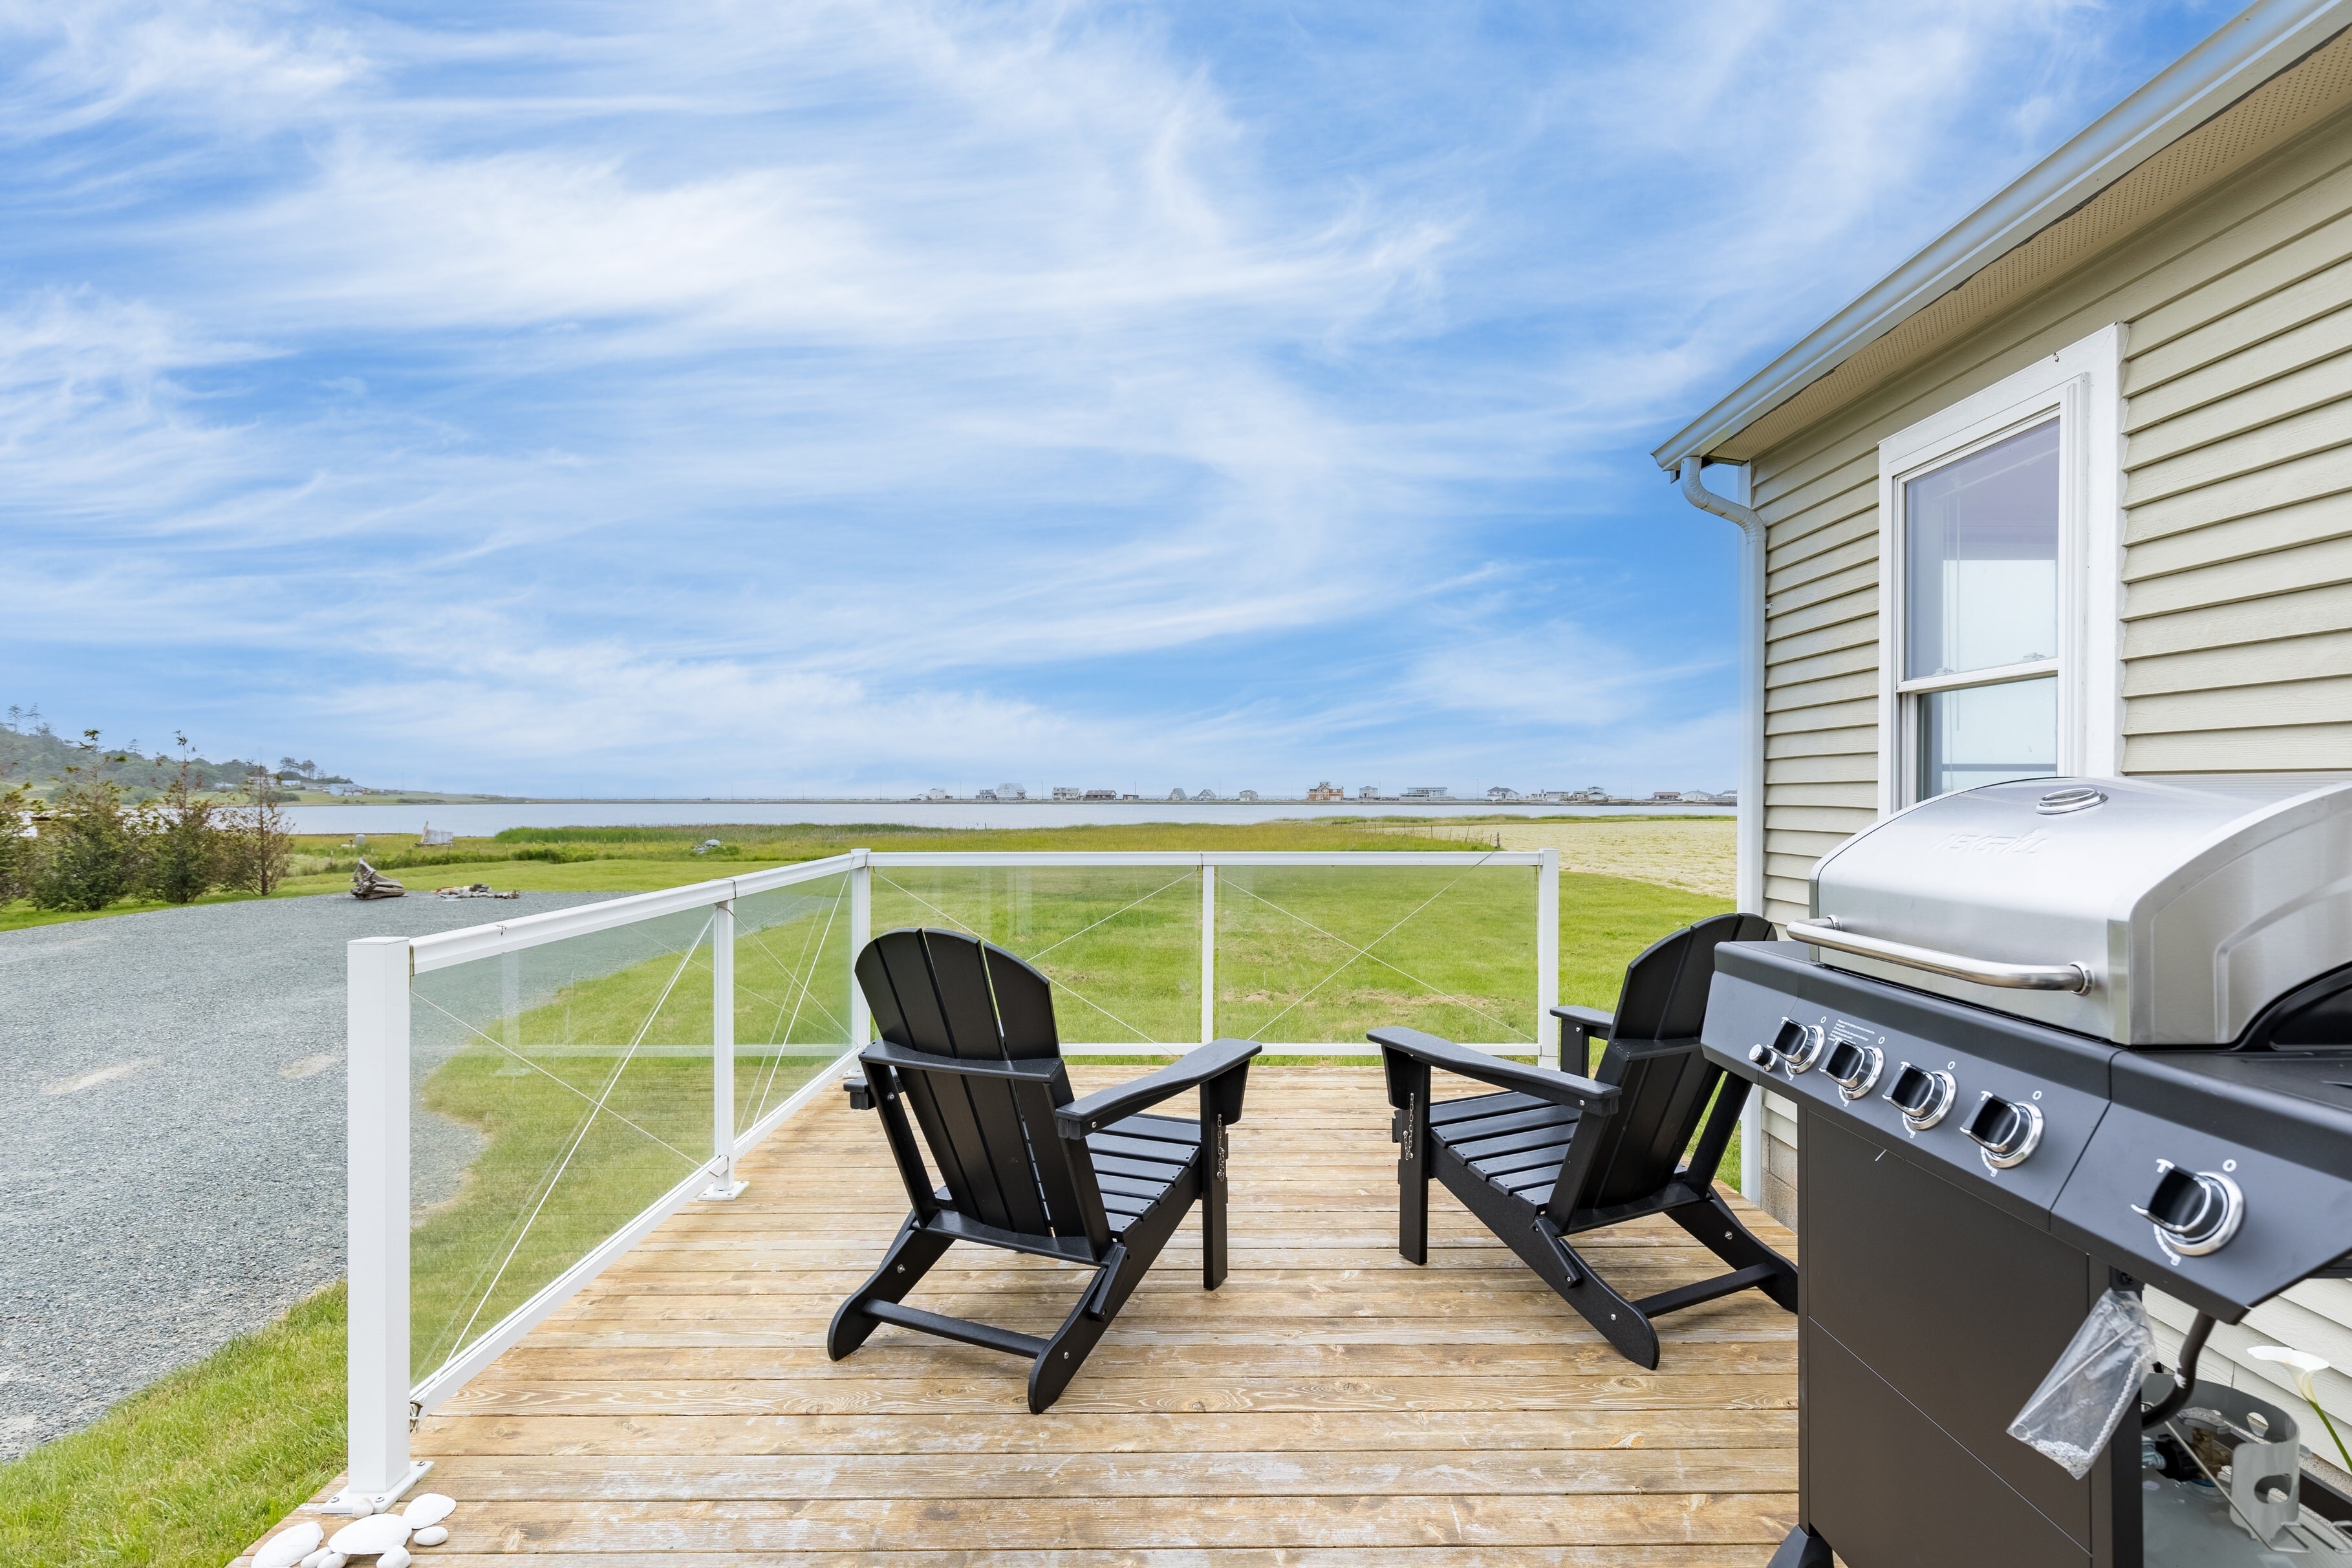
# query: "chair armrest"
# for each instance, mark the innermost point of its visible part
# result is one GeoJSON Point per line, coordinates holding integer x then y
{"type": "Point", "coordinates": [1580, 1025]}
{"type": "Point", "coordinates": [861, 1094]}
{"type": "Point", "coordinates": [882, 1053]}
{"type": "Point", "coordinates": [1213, 1061]}
{"type": "Point", "coordinates": [1543, 1082]}
{"type": "Point", "coordinates": [1586, 1021]}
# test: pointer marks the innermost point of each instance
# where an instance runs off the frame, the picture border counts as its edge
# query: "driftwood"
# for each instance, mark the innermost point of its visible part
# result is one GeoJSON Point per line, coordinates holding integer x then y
{"type": "Point", "coordinates": [474, 890]}
{"type": "Point", "coordinates": [369, 883]}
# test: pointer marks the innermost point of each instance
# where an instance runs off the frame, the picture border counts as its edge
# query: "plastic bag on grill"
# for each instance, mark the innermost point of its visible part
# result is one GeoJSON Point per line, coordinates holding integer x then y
{"type": "Point", "coordinates": [2094, 1385]}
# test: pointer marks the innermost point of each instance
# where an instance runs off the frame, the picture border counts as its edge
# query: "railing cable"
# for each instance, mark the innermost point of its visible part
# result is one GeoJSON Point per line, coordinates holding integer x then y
{"type": "Point", "coordinates": [611, 1082]}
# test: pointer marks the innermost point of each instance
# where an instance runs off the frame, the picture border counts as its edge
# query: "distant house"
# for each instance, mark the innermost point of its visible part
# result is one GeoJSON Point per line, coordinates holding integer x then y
{"type": "Point", "coordinates": [937, 795]}
{"type": "Point", "coordinates": [1068, 792]}
{"type": "Point", "coordinates": [1178, 795]}
{"type": "Point", "coordinates": [1500, 793]}
{"type": "Point", "coordinates": [1011, 792]}
{"type": "Point", "coordinates": [1426, 792]}
{"type": "Point", "coordinates": [347, 788]}
{"type": "Point", "coordinates": [1368, 792]}
{"type": "Point", "coordinates": [1098, 794]}
{"type": "Point", "coordinates": [1246, 795]}
{"type": "Point", "coordinates": [1327, 790]}
{"type": "Point", "coordinates": [985, 795]}
{"type": "Point", "coordinates": [1206, 795]}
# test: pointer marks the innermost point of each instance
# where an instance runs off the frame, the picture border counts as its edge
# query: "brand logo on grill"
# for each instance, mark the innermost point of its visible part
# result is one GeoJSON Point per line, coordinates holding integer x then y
{"type": "Point", "coordinates": [1994, 843]}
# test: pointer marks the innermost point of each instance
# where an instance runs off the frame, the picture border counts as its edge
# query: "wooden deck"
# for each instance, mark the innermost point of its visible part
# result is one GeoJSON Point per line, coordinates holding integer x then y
{"type": "Point", "coordinates": [1331, 1404]}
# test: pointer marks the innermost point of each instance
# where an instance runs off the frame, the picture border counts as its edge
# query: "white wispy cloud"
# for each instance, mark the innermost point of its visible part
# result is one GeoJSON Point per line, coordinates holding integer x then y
{"type": "Point", "coordinates": [848, 393]}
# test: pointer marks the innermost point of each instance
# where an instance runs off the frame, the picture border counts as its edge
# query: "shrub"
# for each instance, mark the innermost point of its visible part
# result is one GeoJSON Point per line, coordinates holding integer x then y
{"type": "Point", "coordinates": [182, 850]}
{"type": "Point", "coordinates": [15, 849]}
{"type": "Point", "coordinates": [87, 856]}
{"type": "Point", "coordinates": [256, 839]}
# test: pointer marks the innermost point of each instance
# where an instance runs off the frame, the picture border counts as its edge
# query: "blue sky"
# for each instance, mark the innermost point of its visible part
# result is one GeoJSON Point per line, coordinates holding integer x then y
{"type": "Point", "coordinates": [732, 398]}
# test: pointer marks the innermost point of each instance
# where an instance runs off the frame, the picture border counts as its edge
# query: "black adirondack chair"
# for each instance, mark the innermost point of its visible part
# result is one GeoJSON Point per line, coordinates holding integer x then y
{"type": "Point", "coordinates": [1555, 1153]}
{"type": "Point", "coordinates": [968, 1041]}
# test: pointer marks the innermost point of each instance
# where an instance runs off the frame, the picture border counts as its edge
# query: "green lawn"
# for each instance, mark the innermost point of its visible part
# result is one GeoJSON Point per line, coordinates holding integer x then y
{"type": "Point", "coordinates": [190, 1471]}
{"type": "Point", "coordinates": [521, 1049]}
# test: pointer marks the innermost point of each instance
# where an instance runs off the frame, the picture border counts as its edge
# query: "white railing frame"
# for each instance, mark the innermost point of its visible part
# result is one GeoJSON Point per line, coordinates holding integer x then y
{"type": "Point", "coordinates": [383, 1405]}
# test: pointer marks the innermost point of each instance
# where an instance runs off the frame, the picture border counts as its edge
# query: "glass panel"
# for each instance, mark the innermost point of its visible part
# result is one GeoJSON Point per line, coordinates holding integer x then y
{"type": "Point", "coordinates": [1983, 735]}
{"type": "Point", "coordinates": [1318, 955]}
{"type": "Point", "coordinates": [792, 991]}
{"type": "Point", "coordinates": [1980, 547]}
{"type": "Point", "coordinates": [555, 1094]}
{"type": "Point", "coordinates": [1120, 944]}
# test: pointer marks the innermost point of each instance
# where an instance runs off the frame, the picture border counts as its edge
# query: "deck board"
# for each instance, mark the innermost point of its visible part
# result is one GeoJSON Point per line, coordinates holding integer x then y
{"type": "Point", "coordinates": [1331, 1404]}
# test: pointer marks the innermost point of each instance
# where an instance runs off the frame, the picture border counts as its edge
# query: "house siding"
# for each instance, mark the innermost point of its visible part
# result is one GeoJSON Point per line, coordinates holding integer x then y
{"type": "Point", "coordinates": [2237, 558]}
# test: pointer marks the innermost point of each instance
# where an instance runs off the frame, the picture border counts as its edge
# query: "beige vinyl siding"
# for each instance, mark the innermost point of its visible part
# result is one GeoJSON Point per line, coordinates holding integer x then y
{"type": "Point", "coordinates": [2237, 638]}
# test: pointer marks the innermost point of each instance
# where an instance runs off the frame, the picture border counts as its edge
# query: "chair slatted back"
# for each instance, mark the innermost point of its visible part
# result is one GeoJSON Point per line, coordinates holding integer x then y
{"type": "Point", "coordinates": [1003, 1163]}
{"type": "Point", "coordinates": [1653, 1058]}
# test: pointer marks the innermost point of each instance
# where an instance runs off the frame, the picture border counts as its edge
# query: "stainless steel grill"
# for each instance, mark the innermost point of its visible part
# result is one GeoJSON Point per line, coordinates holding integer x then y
{"type": "Point", "coordinates": [2048, 1039]}
{"type": "Point", "coordinates": [2143, 912]}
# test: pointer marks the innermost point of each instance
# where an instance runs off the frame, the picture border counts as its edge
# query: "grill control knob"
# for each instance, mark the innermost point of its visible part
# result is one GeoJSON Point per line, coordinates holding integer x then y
{"type": "Point", "coordinates": [2194, 1212]}
{"type": "Point", "coordinates": [2006, 1130]}
{"type": "Point", "coordinates": [1852, 1068]}
{"type": "Point", "coordinates": [1922, 1096]}
{"type": "Point", "coordinates": [1797, 1045]}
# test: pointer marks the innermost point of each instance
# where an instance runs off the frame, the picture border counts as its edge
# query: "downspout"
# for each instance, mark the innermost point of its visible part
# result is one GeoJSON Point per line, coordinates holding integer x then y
{"type": "Point", "coordinates": [1749, 874]}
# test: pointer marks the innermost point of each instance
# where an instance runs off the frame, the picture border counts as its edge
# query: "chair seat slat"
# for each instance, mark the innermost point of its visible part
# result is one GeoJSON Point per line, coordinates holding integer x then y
{"type": "Point", "coordinates": [1512, 1143]}
{"type": "Point", "coordinates": [1533, 1118]}
{"type": "Point", "coordinates": [1446, 1113]}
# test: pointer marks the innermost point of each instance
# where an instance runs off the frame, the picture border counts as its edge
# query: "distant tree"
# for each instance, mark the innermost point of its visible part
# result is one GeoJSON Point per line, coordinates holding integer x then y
{"type": "Point", "coordinates": [87, 856]}
{"type": "Point", "coordinates": [257, 838]}
{"type": "Point", "coordinates": [184, 851]}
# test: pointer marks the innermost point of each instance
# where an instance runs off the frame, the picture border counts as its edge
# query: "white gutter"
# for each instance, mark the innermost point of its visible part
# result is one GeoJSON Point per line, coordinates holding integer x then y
{"type": "Point", "coordinates": [2263, 40]}
{"type": "Point", "coordinates": [1749, 876]}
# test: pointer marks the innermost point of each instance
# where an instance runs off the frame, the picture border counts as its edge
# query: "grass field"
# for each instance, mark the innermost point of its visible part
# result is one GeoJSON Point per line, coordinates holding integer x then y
{"type": "Point", "coordinates": [521, 1051]}
{"type": "Point", "coordinates": [189, 1470]}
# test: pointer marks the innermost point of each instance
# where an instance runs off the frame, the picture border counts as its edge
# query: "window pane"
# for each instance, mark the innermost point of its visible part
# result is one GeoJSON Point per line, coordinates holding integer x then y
{"type": "Point", "coordinates": [1980, 544]}
{"type": "Point", "coordinates": [1983, 735]}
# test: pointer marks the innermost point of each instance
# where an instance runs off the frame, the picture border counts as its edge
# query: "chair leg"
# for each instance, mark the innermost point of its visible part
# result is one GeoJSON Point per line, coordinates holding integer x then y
{"type": "Point", "coordinates": [1413, 1167]}
{"type": "Point", "coordinates": [1212, 1195]}
{"type": "Point", "coordinates": [1720, 1230]}
{"type": "Point", "coordinates": [1620, 1321]}
{"type": "Point", "coordinates": [1082, 1329]}
{"type": "Point", "coordinates": [903, 1267]}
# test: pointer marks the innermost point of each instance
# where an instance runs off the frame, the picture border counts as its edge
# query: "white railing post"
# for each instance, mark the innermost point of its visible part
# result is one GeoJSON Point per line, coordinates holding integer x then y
{"type": "Point", "coordinates": [375, 1047]}
{"type": "Point", "coordinates": [861, 928]}
{"type": "Point", "coordinates": [723, 1185]}
{"type": "Point", "coordinates": [1208, 952]}
{"type": "Point", "coordinates": [1548, 956]}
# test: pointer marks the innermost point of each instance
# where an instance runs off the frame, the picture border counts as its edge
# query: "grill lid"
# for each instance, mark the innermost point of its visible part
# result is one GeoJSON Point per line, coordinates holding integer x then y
{"type": "Point", "coordinates": [2140, 912]}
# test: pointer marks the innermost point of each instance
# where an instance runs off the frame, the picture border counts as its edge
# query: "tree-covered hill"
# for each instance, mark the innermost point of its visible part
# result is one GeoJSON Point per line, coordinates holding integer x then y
{"type": "Point", "coordinates": [32, 753]}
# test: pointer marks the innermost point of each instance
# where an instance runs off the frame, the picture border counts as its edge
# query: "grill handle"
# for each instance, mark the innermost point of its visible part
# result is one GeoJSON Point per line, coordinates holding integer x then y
{"type": "Point", "coordinates": [1983, 971]}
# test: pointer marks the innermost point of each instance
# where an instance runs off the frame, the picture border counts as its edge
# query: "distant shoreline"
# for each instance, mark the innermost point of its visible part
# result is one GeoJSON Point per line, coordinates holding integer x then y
{"type": "Point", "coordinates": [481, 818]}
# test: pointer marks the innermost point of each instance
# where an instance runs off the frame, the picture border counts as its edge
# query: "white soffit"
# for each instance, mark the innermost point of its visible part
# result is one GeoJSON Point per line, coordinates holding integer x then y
{"type": "Point", "coordinates": [2274, 69]}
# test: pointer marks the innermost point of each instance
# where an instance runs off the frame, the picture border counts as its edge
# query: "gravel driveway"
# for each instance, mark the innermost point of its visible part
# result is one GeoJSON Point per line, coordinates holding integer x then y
{"type": "Point", "coordinates": [172, 1136]}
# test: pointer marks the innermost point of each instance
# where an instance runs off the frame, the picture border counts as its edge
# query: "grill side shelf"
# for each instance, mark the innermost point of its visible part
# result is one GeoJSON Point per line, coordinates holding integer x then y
{"type": "Point", "coordinates": [2243, 1117]}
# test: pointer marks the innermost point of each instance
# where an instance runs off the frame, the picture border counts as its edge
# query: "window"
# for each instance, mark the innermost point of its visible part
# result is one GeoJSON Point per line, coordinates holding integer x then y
{"type": "Point", "coordinates": [1999, 590]}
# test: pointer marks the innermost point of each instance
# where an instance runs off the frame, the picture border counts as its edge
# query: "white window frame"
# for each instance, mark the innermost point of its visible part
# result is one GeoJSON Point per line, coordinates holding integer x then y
{"type": "Point", "coordinates": [2082, 384]}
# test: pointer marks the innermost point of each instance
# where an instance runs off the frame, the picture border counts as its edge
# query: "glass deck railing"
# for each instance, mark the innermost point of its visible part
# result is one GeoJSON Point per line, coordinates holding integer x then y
{"type": "Point", "coordinates": [529, 1099]}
